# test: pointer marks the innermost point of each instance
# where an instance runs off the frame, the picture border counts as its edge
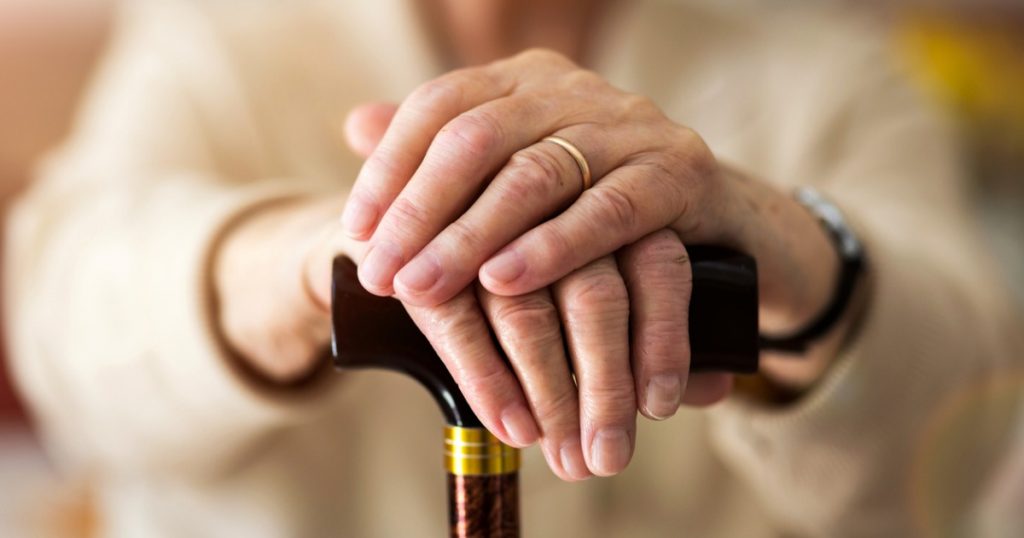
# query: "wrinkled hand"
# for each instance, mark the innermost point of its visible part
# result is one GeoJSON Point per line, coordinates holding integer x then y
{"type": "Point", "coordinates": [588, 426]}
{"type": "Point", "coordinates": [622, 322]}
{"type": "Point", "coordinates": [461, 173]}
{"type": "Point", "coordinates": [461, 187]}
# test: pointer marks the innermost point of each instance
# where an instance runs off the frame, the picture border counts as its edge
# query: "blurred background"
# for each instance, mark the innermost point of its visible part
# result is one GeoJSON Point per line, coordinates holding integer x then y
{"type": "Point", "coordinates": [968, 55]}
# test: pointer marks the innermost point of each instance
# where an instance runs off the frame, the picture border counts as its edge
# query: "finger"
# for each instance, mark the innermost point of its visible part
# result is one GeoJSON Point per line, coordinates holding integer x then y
{"type": "Point", "coordinates": [365, 126]}
{"type": "Point", "coordinates": [463, 155]}
{"type": "Point", "coordinates": [708, 388]}
{"type": "Point", "coordinates": [657, 274]}
{"type": "Point", "coordinates": [625, 205]}
{"type": "Point", "coordinates": [414, 126]}
{"type": "Point", "coordinates": [459, 333]}
{"type": "Point", "coordinates": [536, 182]}
{"type": "Point", "coordinates": [595, 314]}
{"type": "Point", "coordinates": [530, 333]}
{"type": "Point", "coordinates": [318, 265]}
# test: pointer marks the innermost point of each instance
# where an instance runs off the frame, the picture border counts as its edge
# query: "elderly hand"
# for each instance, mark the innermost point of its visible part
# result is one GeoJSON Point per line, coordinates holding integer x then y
{"type": "Point", "coordinates": [462, 187]}
{"type": "Point", "coordinates": [458, 185]}
{"type": "Point", "coordinates": [579, 326]}
{"type": "Point", "coordinates": [461, 173]}
{"type": "Point", "coordinates": [618, 324]}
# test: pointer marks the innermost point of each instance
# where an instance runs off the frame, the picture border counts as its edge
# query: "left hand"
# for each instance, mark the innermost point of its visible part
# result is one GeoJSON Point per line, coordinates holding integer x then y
{"type": "Point", "coordinates": [461, 187]}
{"type": "Point", "coordinates": [427, 197]}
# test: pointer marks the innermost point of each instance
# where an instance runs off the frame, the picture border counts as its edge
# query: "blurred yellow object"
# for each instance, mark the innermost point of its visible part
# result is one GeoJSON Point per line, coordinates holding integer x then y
{"type": "Point", "coordinates": [975, 66]}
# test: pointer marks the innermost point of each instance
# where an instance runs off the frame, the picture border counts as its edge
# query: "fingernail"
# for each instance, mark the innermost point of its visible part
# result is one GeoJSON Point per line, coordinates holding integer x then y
{"type": "Point", "coordinates": [420, 274]}
{"type": "Point", "coordinates": [609, 452]}
{"type": "Point", "coordinates": [519, 425]}
{"type": "Point", "coordinates": [357, 219]}
{"type": "Point", "coordinates": [662, 398]}
{"type": "Point", "coordinates": [571, 454]}
{"type": "Point", "coordinates": [380, 264]}
{"type": "Point", "coordinates": [505, 267]}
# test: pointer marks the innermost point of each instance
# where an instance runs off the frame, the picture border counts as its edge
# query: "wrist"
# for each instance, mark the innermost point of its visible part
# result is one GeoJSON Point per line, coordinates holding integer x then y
{"type": "Point", "coordinates": [811, 265]}
{"type": "Point", "coordinates": [851, 255]}
{"type": "Point", "coordinates": [265, 312]}
{"type": "Point", "coordinates": [818, 338]}
{"type": "Point", "coordinates": [798, 265]}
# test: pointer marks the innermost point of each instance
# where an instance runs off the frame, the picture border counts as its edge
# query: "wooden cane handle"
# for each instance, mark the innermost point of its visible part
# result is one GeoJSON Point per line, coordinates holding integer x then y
{"type": "Point", "coordinates": [375, 332]}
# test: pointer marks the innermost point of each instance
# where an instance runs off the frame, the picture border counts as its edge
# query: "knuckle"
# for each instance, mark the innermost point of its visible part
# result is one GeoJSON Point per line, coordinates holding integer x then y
{"type": "Point", "coordinates": [584, 81]}
{"type": "Point", "coordinates": [449, 91]}
{"type": "Point", "coordinates": [531, 176]}
{"type": "Point", "coordinates": [668, 281]}
{"type": "Point", "coordinates": [482, 384]}
{"type": "Point", "coordinates": [664, 168]}
{"type": "Point", "coordinates": [656, 250]}
{"type": "Point", "coordinates": [551, 243]}
{"type": "Point", "coordinates": [384, 163]}
{"type": "Point", "coordinates": [603, 291]}
{"type": "Point", "coordinates": [588, 85]}
{"type": "Point", "coordinates": [693, 155]}
{"type": "Point", "coordinates": [559, 407]}
{"type": "Point", "coordinates": [609, 400]}
{"type": "Point", "coordinates": [453, 322]}
{"type": "Point", "coordinates": [685, 137]}
{"type": "Point", "coordinates": [543, 55]}
{"type": "Point", "coordinates": [662, 347]}
{"type": "Point", "coordinates": [638, 106]}
{"type": "Point", "coordinates": [465, 237]}
{"type": "Point", "coordinates": [473, 134]}
{"type": "Point", "coordinates": [527, 318]}
{"type": "Point", "coordinates": [615, 207]}
{"type": "Point", "coordinates": [408, 215]}
{"type": "Point", "coordinates": [442, 93]}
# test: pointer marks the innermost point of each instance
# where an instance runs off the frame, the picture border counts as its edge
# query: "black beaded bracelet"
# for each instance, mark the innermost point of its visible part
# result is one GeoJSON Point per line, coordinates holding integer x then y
{"type": "Point", "coordinates": [852, 262]}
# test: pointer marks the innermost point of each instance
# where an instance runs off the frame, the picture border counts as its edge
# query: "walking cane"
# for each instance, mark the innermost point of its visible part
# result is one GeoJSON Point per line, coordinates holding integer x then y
{"type": "Point", "coordinates": [483, 479]}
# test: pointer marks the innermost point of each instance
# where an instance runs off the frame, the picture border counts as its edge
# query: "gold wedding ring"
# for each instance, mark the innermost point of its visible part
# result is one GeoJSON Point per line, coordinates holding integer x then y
{"type": "Point", "coordinates": [576, 154]}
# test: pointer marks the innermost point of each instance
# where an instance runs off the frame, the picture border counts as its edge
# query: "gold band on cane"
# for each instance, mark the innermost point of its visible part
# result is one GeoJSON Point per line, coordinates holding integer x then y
{"type": "Point", "coordinates": [475, 451]}
{"type": "Point", "coordinates": [576, 154]}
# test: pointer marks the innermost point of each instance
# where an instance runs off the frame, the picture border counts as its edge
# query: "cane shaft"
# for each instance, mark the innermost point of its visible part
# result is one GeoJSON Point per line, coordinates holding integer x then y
{"type": "Point", "coordinates": [483, 484]}
{"type": "Point", "coordinates": [484, 506]}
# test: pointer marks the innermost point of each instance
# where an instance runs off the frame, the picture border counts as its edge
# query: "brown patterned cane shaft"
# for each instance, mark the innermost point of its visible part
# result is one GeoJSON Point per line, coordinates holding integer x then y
{"type": "Point", "coordinates": [484, 506]}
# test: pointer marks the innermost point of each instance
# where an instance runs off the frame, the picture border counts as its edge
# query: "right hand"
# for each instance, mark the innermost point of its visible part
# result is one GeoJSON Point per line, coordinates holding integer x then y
{"type": "Point", "coordinates": [264, 266]}
{"type": "Point", "coordinates": [623, 323]}
{"type": "Point", "coordinates": [273, 281]}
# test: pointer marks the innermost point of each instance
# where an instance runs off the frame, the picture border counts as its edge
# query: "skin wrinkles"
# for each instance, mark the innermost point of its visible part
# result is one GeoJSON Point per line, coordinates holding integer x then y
{"type": "Point", "coordinates": [462, 214]}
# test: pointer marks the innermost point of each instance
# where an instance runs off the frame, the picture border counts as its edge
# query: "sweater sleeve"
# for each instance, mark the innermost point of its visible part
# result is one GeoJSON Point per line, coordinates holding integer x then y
{"type": "Point", "coordinates": [108, 302]}
{"type": "Point", "coordinates": [902, 434]}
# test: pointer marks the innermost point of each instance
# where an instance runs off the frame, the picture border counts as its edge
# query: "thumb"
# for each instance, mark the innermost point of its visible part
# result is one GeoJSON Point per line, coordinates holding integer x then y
{"type": "Point", "coordinates": [320, 260]}
{"type": "Point", "coordinates": [366, 124]}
